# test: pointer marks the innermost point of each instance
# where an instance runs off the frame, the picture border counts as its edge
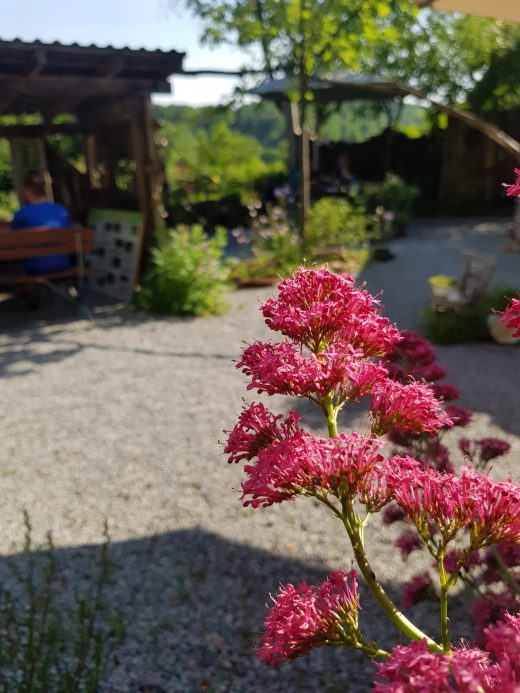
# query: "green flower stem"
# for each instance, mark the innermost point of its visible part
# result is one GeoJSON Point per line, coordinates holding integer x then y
{"type": "Point", "coordinates": [445, 587]}
{"type": "Point", "coordinates": [373, 651]}
{"type": "Point", "coordinates": [331, 414]}
{"type": "Point", "coordinates": [398, 619]}
{"type": "Point", "coordinates": [352, 526]}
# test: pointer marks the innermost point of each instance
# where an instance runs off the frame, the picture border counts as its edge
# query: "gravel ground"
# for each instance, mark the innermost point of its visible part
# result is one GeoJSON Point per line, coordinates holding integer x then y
{"type": "Point", "coordinates": [119, 419]}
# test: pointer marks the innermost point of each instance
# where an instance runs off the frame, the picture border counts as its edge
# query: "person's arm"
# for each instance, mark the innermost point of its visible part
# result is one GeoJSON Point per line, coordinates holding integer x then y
{"type": "Point", "coordinates": [18, 220]}
{"type": "Point", "coordinates": [66, 221]}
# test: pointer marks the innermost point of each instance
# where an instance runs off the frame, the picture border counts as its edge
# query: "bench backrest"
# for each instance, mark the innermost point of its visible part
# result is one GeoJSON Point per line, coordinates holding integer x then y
{"type": "Point", "coordinates": [477, 273]}
{"type": "Point", "coordinates": [20, 244]}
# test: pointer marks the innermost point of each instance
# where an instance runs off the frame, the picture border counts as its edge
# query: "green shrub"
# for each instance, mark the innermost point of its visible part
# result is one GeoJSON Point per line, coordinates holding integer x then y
{"type": "Point", "coordinates": [468, 323]}
{"type": "Point", "coordinates": [393, 195]}
{"type": "Point", "coordinates": [187, 275]}
{"type": "Point", "coordinates": [334, 221]}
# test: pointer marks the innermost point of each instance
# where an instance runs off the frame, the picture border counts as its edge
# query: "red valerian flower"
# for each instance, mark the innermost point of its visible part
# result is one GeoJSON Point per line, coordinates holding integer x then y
{"type": "Point", "coordinates": [445, 392]}
{"type": "Point", "coordinates": [317, 307]}
{"type": "Point", "coordinates": [412, 669]}
{"type": "Point", "coordinates": [416, 590]}
{"type": "Point", "coordinates": [486, 612]}
{"type": "Point", "coordinates": [408, 541]}
{"type": "Point", "coordinates": [452, 558]}
{"type": "Point", "coordinates": [511, 316]}
{"type": "Point", "coordinates": [255, 430]}
{"type": "Point", "coordinates": [503, 641]}
{"type": "Point", "coordinates": [458, 415]}
{"type": "Point", "coordinates": [410, 407]}
{"type": "Point", "coordinates": [392, 514]}
{"type": "Point", "coordinates": [490, 448]}
{"type": "Point", "coordinates": [429, 373]}
{"type": "Point", "coordinates": [412, 351]}
{"type": "Point", "coordinates": [281, 368]}
{"type": "Point", "coordinates": [307, 464]}
{"type": "Point", "coordinates": [307, 616]}
{"type": "Point", "coordinates": [513, 190]}
{"type": "Point", "coordinates": [465, 446]}
{"type": "Point", "coordinates": [491, 509]}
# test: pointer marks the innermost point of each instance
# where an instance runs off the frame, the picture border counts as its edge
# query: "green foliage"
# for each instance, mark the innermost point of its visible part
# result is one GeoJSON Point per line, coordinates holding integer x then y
{"type": "Point", "coordinates": [297, 36]}
{"type": "Point", "coordinates": [393, 194]}
{"type": "Point", "coordinates": [444, 55]}
{"type": "Point", "coordinates": [187, 275]}
{"type": "Point", "coordinates": [467, 323]}
{"type": "Point", "coordinates": [499, 87]}
{"type": "Point", "coordinates": [335, 222]}
{"type": "Point", "coordinates": [358, 121]}
{"type": "Point", "coordinates": [47, 645]}
{"type": "Point", "coordinates": [204, 164]}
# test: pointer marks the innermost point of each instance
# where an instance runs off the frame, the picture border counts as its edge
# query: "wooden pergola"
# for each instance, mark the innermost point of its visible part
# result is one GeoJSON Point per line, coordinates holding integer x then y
{"type": "Point", "coordinates": [105, 94]}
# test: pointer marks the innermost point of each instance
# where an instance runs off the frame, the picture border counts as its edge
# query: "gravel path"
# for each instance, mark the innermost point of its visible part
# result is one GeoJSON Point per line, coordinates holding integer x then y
{"type": "Point", "coordinates": [119, 418]}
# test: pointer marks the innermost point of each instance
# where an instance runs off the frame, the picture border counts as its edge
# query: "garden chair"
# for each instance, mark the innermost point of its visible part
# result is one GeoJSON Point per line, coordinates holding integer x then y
{"type": "Point", "coordinates": [476, 274]}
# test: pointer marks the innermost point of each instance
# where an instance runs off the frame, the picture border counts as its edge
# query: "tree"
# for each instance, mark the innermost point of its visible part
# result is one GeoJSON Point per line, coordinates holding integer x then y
{"type": "Point", "coordinates": [444, 55]}
{"type": "Point", "coordinates": [300, 39]}
{"type": "Point", "coordinates": [441, 56]}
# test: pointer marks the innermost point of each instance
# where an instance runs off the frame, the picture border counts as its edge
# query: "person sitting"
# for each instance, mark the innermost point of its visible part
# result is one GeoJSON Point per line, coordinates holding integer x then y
{"type": "Point", "coordinates": [347, 180]}
{"type": "Point", "coordinates": [39, 212]}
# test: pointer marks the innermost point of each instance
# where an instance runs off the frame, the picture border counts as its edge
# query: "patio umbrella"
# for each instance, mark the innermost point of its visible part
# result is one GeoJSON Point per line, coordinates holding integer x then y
{"type": "Point", "coordinates": [509, 10]}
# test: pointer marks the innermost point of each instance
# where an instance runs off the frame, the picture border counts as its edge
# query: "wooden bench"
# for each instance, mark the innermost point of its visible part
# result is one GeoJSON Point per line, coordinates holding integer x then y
{"type": "Point", "coordinates": [21, 244]}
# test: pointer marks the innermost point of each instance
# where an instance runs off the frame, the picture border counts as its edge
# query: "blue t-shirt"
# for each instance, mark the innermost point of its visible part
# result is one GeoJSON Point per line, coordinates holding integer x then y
{"type": "Point", "coordinates": [51, 216]}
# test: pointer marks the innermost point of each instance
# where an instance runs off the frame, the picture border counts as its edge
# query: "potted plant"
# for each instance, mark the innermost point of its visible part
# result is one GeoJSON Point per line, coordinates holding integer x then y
{"type": "Point", "coordinates": [442, 285]}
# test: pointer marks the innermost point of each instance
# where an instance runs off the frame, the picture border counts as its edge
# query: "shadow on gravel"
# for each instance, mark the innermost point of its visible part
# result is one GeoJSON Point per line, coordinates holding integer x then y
{"type": "Point", "coordinates": [193, 605]}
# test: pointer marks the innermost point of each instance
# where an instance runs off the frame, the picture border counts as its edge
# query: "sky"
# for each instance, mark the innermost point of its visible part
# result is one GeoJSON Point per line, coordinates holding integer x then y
{"type": "Point", "coordinates": [135, 23]}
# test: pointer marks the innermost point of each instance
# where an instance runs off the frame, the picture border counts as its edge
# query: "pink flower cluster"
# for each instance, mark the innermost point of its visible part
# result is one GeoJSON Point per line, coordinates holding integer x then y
{"type": "Point", "coordinates": [282, 368]}
{"type": "Point", "coordinates": [513, 190]}
{"type": "Point", "coordinates": [307, 616]}
{"type": "Point", "coordinates": [490, 509]}
{"type": "Point", "coordinates": [319, 307]}
{"type": "Point", "coordinates": [255, 430]}
{"type": "Point", "coordinates": [306, 464]}
{"type": "Point", "coordinates": [412, 407]}
{"type": "Point", "coordinates": [483, 450]}
{"type": "Point", "coordinates": [413, 668]}
{"type": "Point", "coordinates": [512, 315]}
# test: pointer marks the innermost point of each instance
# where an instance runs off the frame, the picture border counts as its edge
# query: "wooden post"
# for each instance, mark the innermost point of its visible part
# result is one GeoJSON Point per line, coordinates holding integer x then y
{"type": "Point", "coordinates": [145, 156]}
{"type": "Point", "coordinates": [305, 181]}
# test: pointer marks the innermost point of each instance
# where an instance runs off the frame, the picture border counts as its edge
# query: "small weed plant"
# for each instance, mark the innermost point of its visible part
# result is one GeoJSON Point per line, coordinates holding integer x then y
{"type": "Point", "coordinates": [47, 646]}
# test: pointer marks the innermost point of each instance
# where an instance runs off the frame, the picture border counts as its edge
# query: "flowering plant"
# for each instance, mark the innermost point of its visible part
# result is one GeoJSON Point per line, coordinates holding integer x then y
{"type": "Point", "coordinates": [511, 316]}
{"type": "Point", "coordinates": [492, 573]}
{"type": "Point", "coordinates": [513, 189]}
{"type": "Point", "coordinates": [334, 337]}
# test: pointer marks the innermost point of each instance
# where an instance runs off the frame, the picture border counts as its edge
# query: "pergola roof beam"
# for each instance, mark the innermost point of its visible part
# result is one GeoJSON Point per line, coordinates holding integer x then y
{"type": "Point", "coordinates": [112, 67]}
{"type": "Point", "coordinates": [41, 77]}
